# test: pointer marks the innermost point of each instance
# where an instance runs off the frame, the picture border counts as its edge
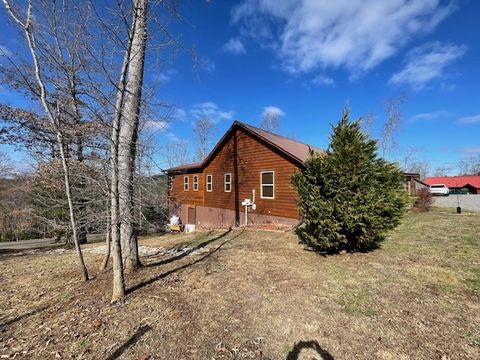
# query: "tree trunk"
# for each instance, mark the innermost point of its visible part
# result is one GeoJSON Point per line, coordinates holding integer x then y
{"type": "Point", "coordinates": [128, 138]}
{"type": "Point", "coordinates": [108, 240]}
{"type": "Point", "coordinates": [55, 121]}
{"type": "Point", "coordinates": [118, 292]}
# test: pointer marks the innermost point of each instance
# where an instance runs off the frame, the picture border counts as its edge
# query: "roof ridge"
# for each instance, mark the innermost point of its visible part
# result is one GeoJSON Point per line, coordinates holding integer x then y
{"type": "Point", "coordinates": [275, 134]}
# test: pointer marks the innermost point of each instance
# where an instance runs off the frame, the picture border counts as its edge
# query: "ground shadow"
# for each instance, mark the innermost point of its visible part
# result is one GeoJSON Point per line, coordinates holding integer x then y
{"type": "Point", "coordinates": [312, 344]}
{"type": "Point", "coordinates": [169, 272]}
{"type": "Point", "coordinates": [23, 316]}
{"type": "Point", "coordinates": [189, 251]}
{"type": "Point", "coordinates": [133, 339]}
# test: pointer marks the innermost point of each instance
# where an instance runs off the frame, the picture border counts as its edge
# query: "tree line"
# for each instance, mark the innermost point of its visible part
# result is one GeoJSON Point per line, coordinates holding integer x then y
{"type": "Point", "coordinates": [81, 70]}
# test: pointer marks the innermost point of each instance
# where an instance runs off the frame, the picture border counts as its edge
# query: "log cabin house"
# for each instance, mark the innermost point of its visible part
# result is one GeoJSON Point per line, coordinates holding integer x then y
{"type": "Point", "coordinates": [250, 164]}
{"type": "Point", "coordinates": [247, 163]}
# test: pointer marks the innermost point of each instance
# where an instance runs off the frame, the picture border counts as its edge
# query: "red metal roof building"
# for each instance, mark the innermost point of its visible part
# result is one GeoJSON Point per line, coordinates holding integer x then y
{"type": "Point", "coordinates": [472, 183]}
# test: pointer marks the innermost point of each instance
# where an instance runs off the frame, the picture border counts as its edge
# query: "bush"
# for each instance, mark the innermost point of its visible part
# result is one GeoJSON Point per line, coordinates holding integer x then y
{"type": "Point", "coordinates": [348, 196]}
{"type": "Point", "coordinates": [423, 200]}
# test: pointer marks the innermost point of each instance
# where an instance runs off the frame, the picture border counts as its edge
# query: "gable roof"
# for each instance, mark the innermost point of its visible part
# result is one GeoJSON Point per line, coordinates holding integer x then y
{"type": "Point", "coordinates": [454, 181]}
{"type": "Point", "coordinates": [295, 150]}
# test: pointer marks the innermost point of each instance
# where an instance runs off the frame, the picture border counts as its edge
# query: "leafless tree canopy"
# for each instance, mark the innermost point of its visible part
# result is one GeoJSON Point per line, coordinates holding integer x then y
{"type": "Point", "coordinates": [204, 132]}
{"type": "Point", "coordinates": [470, 165]}
{"type": "Point", "coordinates": [270, 121]}
{"type": "Point", "coordinates": [388, 141]}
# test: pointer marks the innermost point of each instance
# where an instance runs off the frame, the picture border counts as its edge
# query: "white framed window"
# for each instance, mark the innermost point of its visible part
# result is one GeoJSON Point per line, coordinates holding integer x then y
{"type": "Point", "coordinates": [228, 182]}
{"type": "Point", "coordinates": [267, 184]}
{"type": "Point", "coordinates": [195, 182]}
{"type": "Point", "coordinates": [185, 183]}
{"type": "Point", "coordinates": [209, 183]}
{"type": "Point", "coordinates": [170, 183]}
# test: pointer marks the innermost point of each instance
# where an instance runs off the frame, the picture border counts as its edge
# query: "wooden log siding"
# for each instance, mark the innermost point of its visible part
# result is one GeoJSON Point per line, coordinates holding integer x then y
{"type": "Point", "coordinates": [251, 156]}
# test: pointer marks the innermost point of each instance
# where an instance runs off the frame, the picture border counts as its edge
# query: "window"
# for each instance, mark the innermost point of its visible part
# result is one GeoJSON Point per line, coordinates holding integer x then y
{"type": "Point", "coordinates": [228, 182]}
{"type": "Point", "coordinates": [170, 183]}
{"type": "Point", "coordinates": [209, 183]}
{"type": "Point", "coordinates": [267, 184]}
{"type": "Point", "coordinates": [185, 183]}
{"type": "Point", "coordinates": [195, 182]}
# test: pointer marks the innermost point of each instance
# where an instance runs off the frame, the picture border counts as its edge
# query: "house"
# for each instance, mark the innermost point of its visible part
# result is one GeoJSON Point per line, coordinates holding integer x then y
{"type": "Point", "coordinates": [247, 163]}
{"type": "Point", "coordinates": [472, 183]}
{"type": "Point", "coordinates": [413, 184]}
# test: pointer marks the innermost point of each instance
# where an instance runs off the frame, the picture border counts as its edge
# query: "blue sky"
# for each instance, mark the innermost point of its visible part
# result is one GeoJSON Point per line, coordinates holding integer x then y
{"type": "Point", "coordinates": [306, 59]}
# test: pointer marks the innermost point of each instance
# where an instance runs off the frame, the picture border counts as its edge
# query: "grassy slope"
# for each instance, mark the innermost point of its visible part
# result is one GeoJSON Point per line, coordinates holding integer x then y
{"type": "Point", "coordinates": [258, 293]}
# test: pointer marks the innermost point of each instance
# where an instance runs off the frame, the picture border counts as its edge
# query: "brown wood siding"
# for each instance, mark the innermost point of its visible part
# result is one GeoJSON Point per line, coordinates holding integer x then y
{"type": "Point", "coordinates": [252, 157]}
{"type": "Point", "coordinates": [190, 197]}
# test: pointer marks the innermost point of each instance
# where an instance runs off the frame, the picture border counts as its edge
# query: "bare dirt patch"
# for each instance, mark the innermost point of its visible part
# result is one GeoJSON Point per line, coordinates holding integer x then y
{"type": "Point", "coordinates": [254, 295]}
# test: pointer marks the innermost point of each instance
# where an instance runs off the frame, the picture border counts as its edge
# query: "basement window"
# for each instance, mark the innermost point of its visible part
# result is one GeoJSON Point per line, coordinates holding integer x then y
{"type": "Point", "coordinates": [195, 182]}
{"type": "Point", "coordinates": [209, 183]}
{"type": "Point", "coordinates": [228, 182]}
{"type": "Point", "coordinates": [267, 184]}
{"type": "Point", "coordinates": [185, 183]}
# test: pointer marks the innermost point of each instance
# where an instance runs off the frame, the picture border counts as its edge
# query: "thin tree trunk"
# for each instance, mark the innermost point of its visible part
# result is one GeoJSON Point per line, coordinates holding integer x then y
{"type": "Point", "coordinates": [55, 123]}
{"type": "Point", "coordinates": [128, 138]}
{"type": "Point", "coordinates": [108, 241]}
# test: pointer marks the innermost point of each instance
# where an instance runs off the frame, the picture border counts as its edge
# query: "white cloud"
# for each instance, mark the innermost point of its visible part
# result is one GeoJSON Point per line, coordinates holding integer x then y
{"type": "Point", "coordinates": [475, 119]}
{"type": "Point", "coordinates": [273, 110]}
{"type": "Point", "coordinates": [426, 63]}
{"type": "Point", "coordinates": [164, 76]}
{"type": "Point", "coordinates": [207, 65]}
{"type": "Point", "coordinates": [234, 46]}
{"type": "Point", "coordinates": [324, 80]}
{"type": "Point", "coordinates": [430, 116]}
{"type": "Point", "coordinates": [180, 114]}
{"type": "Point", "coordinates": [211, 110]}
{"type": "Point", "coordinates": [172, 137]}
{"type": "Point", "coordinates": [355, 34]}
{"type": "Point", "coordinates": [156, 125]}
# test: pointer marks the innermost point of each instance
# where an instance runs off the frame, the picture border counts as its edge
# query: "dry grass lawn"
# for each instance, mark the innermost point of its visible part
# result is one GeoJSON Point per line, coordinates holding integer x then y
{"type": "Point", "coordinates": [255, 295]}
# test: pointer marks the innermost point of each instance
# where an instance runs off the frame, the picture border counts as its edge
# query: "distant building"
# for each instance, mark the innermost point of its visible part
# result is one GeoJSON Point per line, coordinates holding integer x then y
{"type": "Point", "coordinates": [413, 183]}
{"type": "Point", "coordinates": [471, 183]}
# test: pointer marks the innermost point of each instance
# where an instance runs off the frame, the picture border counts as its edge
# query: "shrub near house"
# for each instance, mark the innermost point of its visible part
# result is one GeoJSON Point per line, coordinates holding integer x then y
{"type": "Point", "coordinates": [348, 196]}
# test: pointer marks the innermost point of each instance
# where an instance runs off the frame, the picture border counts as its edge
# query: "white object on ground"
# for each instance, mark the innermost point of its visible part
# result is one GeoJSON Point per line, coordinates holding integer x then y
{"type": "Point", "coordinates": [189, 228]}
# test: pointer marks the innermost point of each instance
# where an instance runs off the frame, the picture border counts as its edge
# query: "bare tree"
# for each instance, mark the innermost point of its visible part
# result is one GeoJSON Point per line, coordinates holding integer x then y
{"type": "Point", "coordinates": [203, 131]}
{"type": "Point", "coordinates": [442, 171]}
{"type": "Point", "coordinates": [175, 153]}
{"type": "Point", "coordinates": [470, 165]}
{"type": "Point", "coordinates": [392, 124]}
{"type": "Point", "coordinates": [53, 114]}
{"type": "Point", "coordinates": [270, 121]}
{"type": "Point", "coordinates": [366, 122]}
{"type": "Point", "coordinates": [5, 165]}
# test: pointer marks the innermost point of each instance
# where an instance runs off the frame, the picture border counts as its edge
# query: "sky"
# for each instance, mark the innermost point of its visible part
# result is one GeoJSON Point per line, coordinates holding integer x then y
{"type": "Point", "coordinates": [308, 59]}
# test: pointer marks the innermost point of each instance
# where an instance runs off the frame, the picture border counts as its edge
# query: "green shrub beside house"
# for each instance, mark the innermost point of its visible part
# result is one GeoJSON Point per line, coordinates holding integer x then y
{"type": "Point", "coordinates": [349, 197]}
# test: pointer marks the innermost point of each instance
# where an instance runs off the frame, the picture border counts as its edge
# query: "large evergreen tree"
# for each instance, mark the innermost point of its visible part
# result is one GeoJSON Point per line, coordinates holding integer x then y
{"type": "Point", "coordinates": [349, 197]}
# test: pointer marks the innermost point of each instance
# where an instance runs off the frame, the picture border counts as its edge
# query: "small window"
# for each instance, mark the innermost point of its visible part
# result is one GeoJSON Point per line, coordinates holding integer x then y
{"type": "Point", "coordinates": [170, 183]}
{"type": "Point", "coordinates": [267, 184]}
{"type": "Point", "coordinates": [209, 183]}
{"type": "Point", "coordinates": [185, 183]}
{"type": "Point", "coordinates": [195, 182]}
{"type": "Point", "coordinates": [228, 182]}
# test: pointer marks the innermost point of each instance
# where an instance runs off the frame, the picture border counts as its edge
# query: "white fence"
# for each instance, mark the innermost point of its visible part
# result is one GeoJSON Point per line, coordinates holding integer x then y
{"type": "Point", "coordinates": [467, 202]}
